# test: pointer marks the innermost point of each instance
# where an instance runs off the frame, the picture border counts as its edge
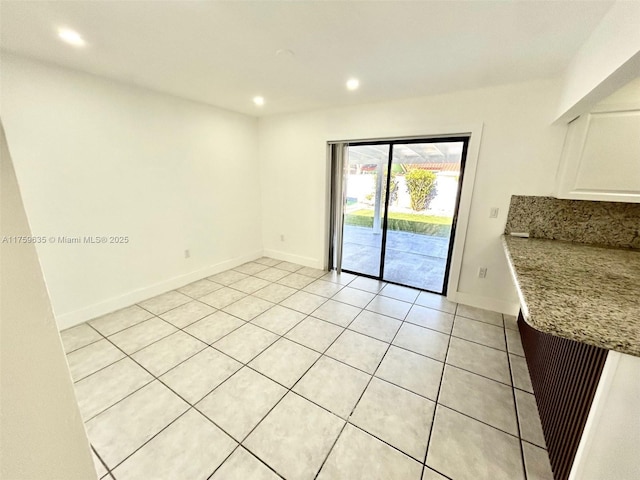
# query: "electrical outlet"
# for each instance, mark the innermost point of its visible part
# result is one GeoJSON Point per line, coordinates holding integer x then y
{"type": "Point", "coordinates": [282, 237]}
{"type": "Point", "coordinates": [482, 272]}
{"type": "Point", "coordinates": [493, 213]}
{"type": "Point", "coordinates": [187, 253]}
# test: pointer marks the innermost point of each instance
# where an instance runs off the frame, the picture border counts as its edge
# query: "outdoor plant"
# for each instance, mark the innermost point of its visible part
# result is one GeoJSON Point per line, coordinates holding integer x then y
{"type": "Point", "coordinates": [393, 189]}
{"type": "Point", "coordinates": [422, 188]}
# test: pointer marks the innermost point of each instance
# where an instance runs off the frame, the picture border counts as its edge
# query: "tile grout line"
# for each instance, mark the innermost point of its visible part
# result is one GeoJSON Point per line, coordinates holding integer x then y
{"type": "Point", "coordinates": [225, 458]}
{"type": "Point", "coordinates": [424, 463]}
{"type": "Point", "coordinates": [433, 422]}
{"type": "Point", "coordinates": [95, 452]}
{"type": "Point", "coordinates": [515, 404]}
{"type": "Point", "coordinates": [85, 345]}
{"type": "Point", "coordinates": [138, 324]}
{"type": "Point", "coordinates": [481, 344]}
{"type": "Point", "coordinates": [240, 446]}
{"type": "Point", "coordinates": [152, 437]}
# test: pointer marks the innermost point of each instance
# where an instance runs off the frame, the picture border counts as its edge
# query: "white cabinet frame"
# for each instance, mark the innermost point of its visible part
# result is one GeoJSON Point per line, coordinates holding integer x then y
{"type": "Point", "coordinates": [577, 151]}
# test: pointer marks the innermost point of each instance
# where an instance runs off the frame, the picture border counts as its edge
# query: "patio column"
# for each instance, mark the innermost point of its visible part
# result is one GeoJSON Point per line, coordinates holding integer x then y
{"type": "Point", "coordinates": [377, 221]}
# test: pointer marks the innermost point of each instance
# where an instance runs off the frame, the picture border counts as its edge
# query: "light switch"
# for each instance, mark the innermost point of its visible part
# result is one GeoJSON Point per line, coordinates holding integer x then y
{"type": "Point", "coordinates": [493, 213]}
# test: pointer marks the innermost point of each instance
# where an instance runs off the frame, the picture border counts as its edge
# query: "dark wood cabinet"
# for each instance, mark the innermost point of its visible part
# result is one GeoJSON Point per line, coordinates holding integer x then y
{"type": "Point", "coordinates": [564, 374]}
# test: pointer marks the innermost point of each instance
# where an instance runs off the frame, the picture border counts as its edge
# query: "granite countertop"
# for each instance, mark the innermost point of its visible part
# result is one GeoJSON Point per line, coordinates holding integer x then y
{"type": "Point", "coordinates": [581, 292]}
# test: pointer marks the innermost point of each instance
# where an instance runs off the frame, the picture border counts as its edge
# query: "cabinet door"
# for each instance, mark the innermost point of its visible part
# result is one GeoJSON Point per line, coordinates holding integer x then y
{"type": "Point", "coordinates": [601, 157]}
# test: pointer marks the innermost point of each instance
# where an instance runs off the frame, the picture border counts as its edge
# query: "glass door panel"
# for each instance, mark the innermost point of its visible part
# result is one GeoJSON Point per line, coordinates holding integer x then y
{"type": "Point", "coordinates": [365, 197]}
{"type": "Point", "coordinates": [424, 188]}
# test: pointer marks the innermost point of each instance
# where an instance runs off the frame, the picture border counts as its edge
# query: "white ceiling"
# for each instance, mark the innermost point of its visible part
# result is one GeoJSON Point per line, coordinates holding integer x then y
{"type": "Point", "coordinates": [223, 53]}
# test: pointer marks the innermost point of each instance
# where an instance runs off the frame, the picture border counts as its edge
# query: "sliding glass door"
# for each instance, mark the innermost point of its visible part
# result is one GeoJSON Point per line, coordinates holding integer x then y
{"type": "Point", "coordinates": [399, 205]}
{"type": "Point", "coordinates": [364, 207]}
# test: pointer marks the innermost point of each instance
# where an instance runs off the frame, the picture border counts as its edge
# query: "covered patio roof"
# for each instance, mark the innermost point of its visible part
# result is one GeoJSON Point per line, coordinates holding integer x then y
{"type": "Point", "coordinates": [442, 156]}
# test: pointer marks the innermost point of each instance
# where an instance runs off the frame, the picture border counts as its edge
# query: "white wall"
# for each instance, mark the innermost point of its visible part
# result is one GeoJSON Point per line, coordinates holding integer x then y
{"type": "Point", "coordinates": [41, 432]}
{"type": "Point", "coordinates": [519, 154]}
{"type": "Point", "coordinates": [96, 157]}
{"type": "Point", "coordinates": [605, 62]}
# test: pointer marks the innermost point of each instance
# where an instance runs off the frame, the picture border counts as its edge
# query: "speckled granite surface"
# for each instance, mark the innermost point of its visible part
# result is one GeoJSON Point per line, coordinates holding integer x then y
{"type": "Point", "coordinates": [612, 224]}
{"type": "Point", "coordinates": [581, 292]}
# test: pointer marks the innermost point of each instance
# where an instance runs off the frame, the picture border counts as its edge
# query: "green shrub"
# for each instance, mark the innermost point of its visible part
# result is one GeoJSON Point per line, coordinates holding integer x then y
{"type": "Point", "coordinates": [422, 188]}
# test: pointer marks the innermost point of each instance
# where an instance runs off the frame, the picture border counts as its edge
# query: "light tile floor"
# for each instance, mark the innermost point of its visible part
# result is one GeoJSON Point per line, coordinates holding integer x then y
{"type": "Point", "coordinates": [273, 370]}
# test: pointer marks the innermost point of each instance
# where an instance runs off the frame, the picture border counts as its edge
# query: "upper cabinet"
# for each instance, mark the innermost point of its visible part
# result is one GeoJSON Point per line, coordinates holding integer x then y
{"type": "Point", "coordinates": [601, 155]}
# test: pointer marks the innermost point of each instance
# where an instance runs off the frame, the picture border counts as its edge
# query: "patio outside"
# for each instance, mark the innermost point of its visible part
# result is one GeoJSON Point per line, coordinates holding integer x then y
{"type": "Point", "coordinates": [418, 232]}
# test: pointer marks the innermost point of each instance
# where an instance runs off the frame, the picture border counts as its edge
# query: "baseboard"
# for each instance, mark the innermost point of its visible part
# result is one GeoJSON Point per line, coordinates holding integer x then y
{"type": "Point", "coordinates": [70, 319]}
{"type": "Point", "coordinates": [487, 303]}
{"type": "Point", "coordinates": [299, 259]}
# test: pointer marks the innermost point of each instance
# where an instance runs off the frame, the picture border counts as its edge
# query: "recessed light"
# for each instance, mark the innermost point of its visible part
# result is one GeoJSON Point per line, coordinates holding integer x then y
{"type": "Point", "coordinates": [353, 84]}
{"type": "Point", "coordinates": [259, 101]}
{"type": "Point", "coordinates": [71, 37]}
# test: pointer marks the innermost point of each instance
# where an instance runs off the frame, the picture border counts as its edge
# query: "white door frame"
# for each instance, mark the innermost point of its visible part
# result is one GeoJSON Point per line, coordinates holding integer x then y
{"type": "Point", "coordinates": [474, 132]}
